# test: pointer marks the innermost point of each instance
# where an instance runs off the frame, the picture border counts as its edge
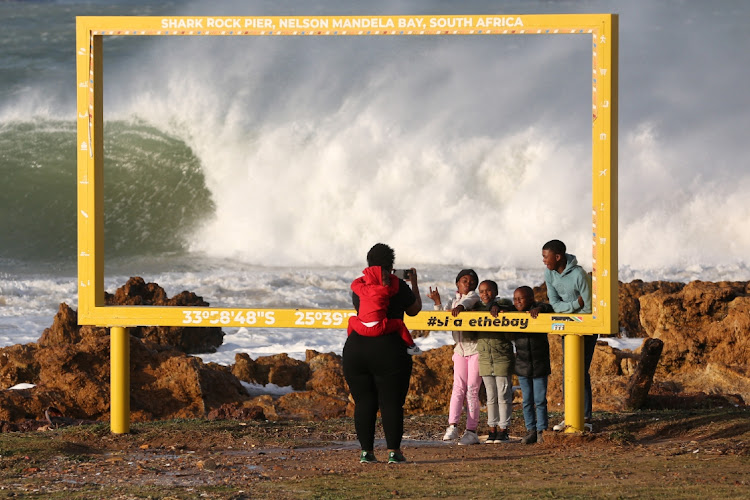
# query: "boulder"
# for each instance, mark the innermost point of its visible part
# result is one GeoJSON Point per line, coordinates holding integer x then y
{"type": "Point", "coordinates": [237, 411]}
{"type": "Point", "coordinates": [431, 382]}
{"type": "Point", "coordinates": [165, 383]}
{"type": "Point", "coordinates": [245, 369]}
{"type": "Point", "coordinates": [18, 364]}
{"type": "Point", "coordinates": [191, 340]}
{"type": "Point", "coordinates": [310, 405]}
{"type": "Point", "coordinates": [629, 295]}
{"type": "Point", "coordinates": [327, 375]}
{"type": "Point", "coordinates": [705, 328]}
{"type": "Point", "coordinates": [279, 369]}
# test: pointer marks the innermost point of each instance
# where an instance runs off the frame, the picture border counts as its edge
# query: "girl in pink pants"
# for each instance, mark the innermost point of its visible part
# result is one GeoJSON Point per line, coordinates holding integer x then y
{"type": "Point", "coordinates": [466, 378]}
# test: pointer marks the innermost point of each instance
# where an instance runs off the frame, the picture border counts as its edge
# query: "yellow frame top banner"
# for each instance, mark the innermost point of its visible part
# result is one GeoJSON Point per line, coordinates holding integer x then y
{"type": "Point", "coordinates": [602, 29]}
{"type": "Point", "coordinates": [347, 25]}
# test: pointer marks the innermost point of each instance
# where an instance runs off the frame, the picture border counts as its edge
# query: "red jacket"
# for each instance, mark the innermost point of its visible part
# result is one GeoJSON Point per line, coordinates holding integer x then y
{"type": "Point", "coordinates": [374, 297]}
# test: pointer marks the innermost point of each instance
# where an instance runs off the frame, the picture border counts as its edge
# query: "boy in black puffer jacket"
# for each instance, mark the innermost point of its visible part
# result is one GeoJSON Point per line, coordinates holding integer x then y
{"type": "Point", "coordinates": [532, 367]}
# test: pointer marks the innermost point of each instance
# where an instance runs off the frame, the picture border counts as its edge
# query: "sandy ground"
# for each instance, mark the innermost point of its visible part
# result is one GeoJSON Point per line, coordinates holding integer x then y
{"type": "Point", "coordinates": [699, 453]}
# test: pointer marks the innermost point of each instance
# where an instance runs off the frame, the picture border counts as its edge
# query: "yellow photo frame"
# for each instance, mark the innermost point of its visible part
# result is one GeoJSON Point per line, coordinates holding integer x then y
{"type": "Point", "coordinates": [602, 29]}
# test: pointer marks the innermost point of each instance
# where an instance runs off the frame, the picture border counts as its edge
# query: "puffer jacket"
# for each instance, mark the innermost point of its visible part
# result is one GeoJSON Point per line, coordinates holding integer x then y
{"type": "Point", "coordinates": [495, 349]}
{"type": "Point", "coordinates": [532, 351]}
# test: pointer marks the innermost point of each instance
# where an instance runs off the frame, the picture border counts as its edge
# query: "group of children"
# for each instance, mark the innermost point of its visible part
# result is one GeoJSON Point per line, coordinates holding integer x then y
{"type": "Point", "coordinates": [490, 357]}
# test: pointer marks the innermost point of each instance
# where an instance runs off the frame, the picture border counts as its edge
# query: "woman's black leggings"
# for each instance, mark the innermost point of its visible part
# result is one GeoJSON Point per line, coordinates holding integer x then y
{"type": "Point", "coordinates": [377, 370]}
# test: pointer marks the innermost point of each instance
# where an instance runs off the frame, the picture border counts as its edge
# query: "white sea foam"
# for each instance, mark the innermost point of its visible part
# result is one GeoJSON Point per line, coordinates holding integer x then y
{"type": "Point", "coordinates": [455, 149]}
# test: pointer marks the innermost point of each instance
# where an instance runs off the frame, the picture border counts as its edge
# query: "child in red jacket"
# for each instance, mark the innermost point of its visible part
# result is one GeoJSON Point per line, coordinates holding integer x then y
{"type": "Point", "coordinates": [375, 288]}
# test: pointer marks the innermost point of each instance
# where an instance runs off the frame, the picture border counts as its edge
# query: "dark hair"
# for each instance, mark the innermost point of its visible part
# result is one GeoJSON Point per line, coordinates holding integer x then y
{"type": "Point", "coordinates": [470, 272]}
{"type": "Point", "coordinates": [381, 255]}
{"type": "Point", "coordinates": [526, 290]}
{"type": "Point", "coordinates": [492, 285]}
{"type": "Point", "coordinates": [556, 246]}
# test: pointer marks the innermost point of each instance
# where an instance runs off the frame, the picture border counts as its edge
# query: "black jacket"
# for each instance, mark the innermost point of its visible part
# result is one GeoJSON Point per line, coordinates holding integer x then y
{"type": "Point", "coordinates": [532, 352]}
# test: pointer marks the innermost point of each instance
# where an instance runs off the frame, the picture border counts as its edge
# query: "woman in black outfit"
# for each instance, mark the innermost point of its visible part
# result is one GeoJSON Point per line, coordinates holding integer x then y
{"type": "Point", "coordinates": [378, 369]}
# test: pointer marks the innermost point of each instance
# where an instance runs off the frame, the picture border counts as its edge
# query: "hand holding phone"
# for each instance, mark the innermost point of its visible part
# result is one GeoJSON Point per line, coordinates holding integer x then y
{"type": "Point", "coordinates": [403, 274]}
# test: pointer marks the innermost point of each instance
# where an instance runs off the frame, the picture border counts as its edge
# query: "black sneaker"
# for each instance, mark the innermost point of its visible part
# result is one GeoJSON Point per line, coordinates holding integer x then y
{"type": "Point", "coordinates": [530, 437]}
{"type": "Point", "coordinates": [396, 457]}
{"type": "Point", "coordinates": [367, 457]}
{"type": "Point", "coordinates": [502, 436]}
{"type": "Point", "coordinates": [491, 438]}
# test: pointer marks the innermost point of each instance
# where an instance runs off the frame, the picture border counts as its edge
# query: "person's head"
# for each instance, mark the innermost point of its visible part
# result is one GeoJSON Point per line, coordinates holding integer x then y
{"type": "Point", "coordinates": [553, 255]}
{"type": "Point", "coordinates": [487, 291]}
{"type": "Point", "coordinates": [523, 298]}
{"type": "Point", "coordinates": [381, 255]}
{"type": "Point", "coordinates": [466, 281]}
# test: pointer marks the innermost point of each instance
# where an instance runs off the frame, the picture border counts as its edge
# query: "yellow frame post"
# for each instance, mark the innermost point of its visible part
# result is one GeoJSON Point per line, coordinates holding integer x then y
{"type": "Point", "coordinates": [602, 29]}
{"type": "Point", "coordinates": [574, 383]}
{"type": "Point", "coordinates": [119, 380]}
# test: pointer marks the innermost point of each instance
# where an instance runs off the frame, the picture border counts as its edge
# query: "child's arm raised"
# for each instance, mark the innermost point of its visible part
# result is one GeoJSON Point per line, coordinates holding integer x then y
{"type": "Point", "coordinates": [435, 296]}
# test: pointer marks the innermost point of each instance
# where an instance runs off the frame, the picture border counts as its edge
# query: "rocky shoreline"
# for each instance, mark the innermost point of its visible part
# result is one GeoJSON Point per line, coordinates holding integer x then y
{"type": "Point", "coordinates": [704, 327]}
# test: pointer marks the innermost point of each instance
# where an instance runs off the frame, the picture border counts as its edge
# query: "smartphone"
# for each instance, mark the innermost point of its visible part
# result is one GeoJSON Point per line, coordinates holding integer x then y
{"type": "Point", "coordinates": [403, 274]}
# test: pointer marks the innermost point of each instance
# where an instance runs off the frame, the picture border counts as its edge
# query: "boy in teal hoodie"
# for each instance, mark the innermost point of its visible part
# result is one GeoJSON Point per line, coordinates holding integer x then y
{"type": "Point", "coordinates": [569, 291]}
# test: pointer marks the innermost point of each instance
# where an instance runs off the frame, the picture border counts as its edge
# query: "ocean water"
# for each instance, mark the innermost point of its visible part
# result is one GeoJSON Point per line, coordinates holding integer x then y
{"type": "Point", "coordinates": [258, 171]}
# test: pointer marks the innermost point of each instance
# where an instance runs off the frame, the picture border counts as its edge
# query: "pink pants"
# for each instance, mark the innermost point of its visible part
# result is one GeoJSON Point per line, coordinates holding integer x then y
{"type": "Point", "coordinates": [466, 383]}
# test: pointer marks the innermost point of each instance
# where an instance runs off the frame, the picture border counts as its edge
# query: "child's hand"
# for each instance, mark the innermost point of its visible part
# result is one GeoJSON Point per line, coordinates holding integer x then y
{"type": "Point", "coordinates": [494, 310]}
{"type": "Point", "coordinates": [435, 296]}
{"type": "Point", "coordinates": [580, 301]}
{"type": "Point", "coordinates": [457, 310]}
{"type": "Point", "coordinates": [534, 312]}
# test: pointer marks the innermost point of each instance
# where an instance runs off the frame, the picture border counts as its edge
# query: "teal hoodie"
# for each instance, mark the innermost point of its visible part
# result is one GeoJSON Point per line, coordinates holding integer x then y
{"type": "Point", "coordinates": [564, 288]}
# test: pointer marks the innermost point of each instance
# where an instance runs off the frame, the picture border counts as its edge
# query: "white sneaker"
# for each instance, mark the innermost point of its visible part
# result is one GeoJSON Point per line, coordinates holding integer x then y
{"type": "Point", "coordinates": [469, 438]}
{"type": "Point", "coordinates": [414, 350]}
{"type": "Point", "coordinates": [451, 433]}
{"type": "Point", "coordinates": [559, 427]}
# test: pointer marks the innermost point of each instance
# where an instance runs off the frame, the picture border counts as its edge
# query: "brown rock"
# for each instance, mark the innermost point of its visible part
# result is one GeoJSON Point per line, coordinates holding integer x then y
{"type": "Point", "coordinates": [80, 374]}
{"type": "Point", "coordinates": [64, 329]}
{"type": "Point", "coordinates": [237, 411]}
{"type": "Point", "coordinates": [191, 340]}
{"type": "Point", "coordinates": [310, 405]}
{"type": "Point", "coordinates": [18, 365]}
{"type": "Point", "coordinates": [165, 383]}
{"type": "Point", "coordinates": [283, 371]}
{"type": "Point", "coordinates": [327, 375]}
{"type": "Point", "coordinates": [246, 369]}
{"type": "Point", "coordinates": [702, 325]}
{"type": "Point", "coordinates": [431, 382]}
{"type": "Point", "coordinates": [630, 306]}
{"type": "Point", "coordinates": [266, 403]}
{"type": "Point", "coordinates": [208, 464]}
{"type": "Point", "coordinates": [25, 404]}
{"type": "Point", "coordinates": [169, 384]}
{"type": "Point", "coordinates": [608, 380]}
{"type": "Point", "coordinates": [136, 292]}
